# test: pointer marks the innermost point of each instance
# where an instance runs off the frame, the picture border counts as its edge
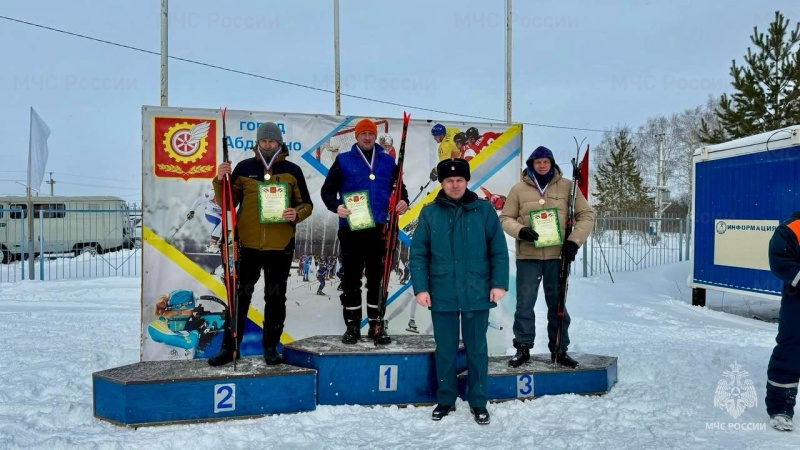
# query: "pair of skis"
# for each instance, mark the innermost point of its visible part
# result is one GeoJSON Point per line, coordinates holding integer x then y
{"type": "Point", "coordinates": [391, 231]}
{"type": "Point", "coordinates": [229, 248]}
{"type": "Point", "coordinates": [563, 271]}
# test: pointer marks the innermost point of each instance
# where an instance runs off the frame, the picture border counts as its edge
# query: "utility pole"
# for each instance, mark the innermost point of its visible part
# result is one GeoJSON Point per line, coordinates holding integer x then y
{"type": "Point", "coordinates": [660, 184]}
{"type": "Point", "coordinates": [51, 183]}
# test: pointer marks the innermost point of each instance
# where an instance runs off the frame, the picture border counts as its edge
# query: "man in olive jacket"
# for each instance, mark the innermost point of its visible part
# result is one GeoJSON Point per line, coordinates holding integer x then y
{"type": "Point", "coordinates": [542, 187]}
{"type": "Point", "coordinates": [459, 270]}
{"type": "Point", "coordinates": [265, 246]}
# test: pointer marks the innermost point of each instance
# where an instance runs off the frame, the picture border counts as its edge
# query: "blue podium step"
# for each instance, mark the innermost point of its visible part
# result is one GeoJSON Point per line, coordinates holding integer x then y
{"type": "Point", "coordinates": [595, 375]}
{"type": "Point", "coordinates": [400, 373]}
{"type": "Point", "coordinates": [167, 392]}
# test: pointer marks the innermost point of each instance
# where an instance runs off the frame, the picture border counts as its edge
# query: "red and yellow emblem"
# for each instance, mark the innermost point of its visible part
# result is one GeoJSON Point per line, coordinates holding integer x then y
{"type": "Point", "coordinates": [185, 148]}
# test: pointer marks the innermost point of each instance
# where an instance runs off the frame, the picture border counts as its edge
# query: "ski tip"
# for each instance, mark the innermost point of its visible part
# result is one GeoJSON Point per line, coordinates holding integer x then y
{"type": "Point", "coordinates": [406, 117]}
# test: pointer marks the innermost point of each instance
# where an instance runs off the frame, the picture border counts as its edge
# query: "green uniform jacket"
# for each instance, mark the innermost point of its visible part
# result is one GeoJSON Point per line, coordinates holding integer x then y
{"type": "Point", "coordinates": [459, 253]}
{"type": "Point", "coordinates": [246, 177]}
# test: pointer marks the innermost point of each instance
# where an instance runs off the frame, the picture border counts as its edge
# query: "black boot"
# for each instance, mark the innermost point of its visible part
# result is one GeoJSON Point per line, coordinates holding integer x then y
{"type": "Point", "coordinates": [271, 356]}
{"type": "Point", "coordinates": [269, 342]}
{"type": "Point", "coordinates": [352, 334]}
{"type": "Point", "coordinates": [383, 338]}
{"type": "Point", "coordinates": [225, 355]}
{"type": "Point", "coordinates": [564, 359]}
{"type": "Point", "coordinates": [441, 411]}
{"type": "Point", "coordinates": [523, 355]}
{"type": "Point", "coordinates": [481, 415]}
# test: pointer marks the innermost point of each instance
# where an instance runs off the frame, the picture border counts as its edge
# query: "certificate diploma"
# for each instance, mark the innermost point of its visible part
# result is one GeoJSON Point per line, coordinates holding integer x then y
{"type": "Point", "coordinates": [273, 199]}
{"type": "Point", "coordinates": [545, 223]}
{"type": "Point", "coordinates": [361, 212]}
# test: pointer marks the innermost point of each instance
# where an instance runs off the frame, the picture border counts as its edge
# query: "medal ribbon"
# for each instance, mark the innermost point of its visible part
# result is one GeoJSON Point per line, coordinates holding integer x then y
{"type": "Point", "coordinates": [368, 163]}
{"type": "Point", "coordinates": [541, 191]}
{"type": "Point", "coordinates": [267, 167]}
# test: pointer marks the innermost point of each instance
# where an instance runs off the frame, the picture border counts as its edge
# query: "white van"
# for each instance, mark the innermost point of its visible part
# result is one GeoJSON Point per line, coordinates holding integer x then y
{"type": "Point", "coordinates": [63, 225]}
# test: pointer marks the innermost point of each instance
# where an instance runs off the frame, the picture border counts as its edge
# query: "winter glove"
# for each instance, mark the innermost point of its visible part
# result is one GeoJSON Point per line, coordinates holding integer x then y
{"type": "Point", "coordinates": [569, 250]}
{"type": "Point", "coordinates": [190, 216]}
{"type": "Point", "coordinates": [434, 175]}
{"type": "Point", "coordinates": [527, 234]}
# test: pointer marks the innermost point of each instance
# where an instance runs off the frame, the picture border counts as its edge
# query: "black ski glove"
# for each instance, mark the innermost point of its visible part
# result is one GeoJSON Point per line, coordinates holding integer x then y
{"type": "Point", "coordinates": [190, 215]}
{"type": "Point", "coordinates": [527, 234]}
{"type": "Point", "coordinates": [570, 250]}
{"type": "Point", "coordinates": [434, 175]}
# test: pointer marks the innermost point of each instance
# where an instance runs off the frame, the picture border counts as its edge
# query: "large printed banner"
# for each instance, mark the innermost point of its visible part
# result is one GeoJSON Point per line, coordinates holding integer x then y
{"type": "Point", "coordinates": [184, 304]}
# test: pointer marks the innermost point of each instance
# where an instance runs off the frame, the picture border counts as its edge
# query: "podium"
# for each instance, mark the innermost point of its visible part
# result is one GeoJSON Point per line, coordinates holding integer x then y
{"type": "Point", "coordinates": [401, 373]}
{"type": "Point", "coordinates": [321, 370]}
{"type": "Point", "coordinates": [595, 375]}
{"type": "Point", "coordinates": [168, 392]}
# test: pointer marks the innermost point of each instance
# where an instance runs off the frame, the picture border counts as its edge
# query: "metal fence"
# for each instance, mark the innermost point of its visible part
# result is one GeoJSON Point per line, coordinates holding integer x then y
{"type": "Point", "coordinates": [69, 243]}
{"type": "Point", "coordinates": [629, 242]}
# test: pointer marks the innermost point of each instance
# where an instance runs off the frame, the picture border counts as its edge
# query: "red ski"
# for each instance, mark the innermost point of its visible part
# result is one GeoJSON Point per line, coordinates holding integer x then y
{"type": "Point", "coordinates": [390, 232]}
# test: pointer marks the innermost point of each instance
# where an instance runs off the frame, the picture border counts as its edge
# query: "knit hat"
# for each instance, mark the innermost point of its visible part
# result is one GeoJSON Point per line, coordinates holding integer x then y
{"type": "Point", "coordinates": [366, 125]}
{"type": "Point", "coordinates": [269, 130]}
{"type": "Point", "coordinates": [540, 152]}
{"type": "Point", "coordinates": [454, 167]}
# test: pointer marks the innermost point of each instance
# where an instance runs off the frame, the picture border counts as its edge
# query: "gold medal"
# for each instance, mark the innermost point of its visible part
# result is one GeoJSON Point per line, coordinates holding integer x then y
{"type": "Point", "coordinates": [541, 201]}
{"type": "Point", "coordinates": [372, 176]}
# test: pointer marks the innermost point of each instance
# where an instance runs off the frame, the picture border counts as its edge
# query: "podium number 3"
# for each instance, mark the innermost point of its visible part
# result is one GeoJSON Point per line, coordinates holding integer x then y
{"type": "Point", "coordinates": [387, 378]}
{"type": "Point", "coordinates": [224, 397]}
{"type": "Point", "coordinates": [525, 385]}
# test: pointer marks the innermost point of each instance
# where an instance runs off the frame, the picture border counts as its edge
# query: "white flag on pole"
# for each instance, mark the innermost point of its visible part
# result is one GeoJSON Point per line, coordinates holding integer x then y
{"type": "Point", "coordinates": [37, 150]}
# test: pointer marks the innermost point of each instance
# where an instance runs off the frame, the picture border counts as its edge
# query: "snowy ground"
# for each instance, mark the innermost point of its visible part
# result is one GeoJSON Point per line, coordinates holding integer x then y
{"type": "Point", "coordinates": [671, 357]}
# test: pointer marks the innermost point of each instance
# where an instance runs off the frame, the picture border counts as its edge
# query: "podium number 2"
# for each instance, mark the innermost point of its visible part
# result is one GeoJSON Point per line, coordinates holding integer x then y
{"type": "Point", "coordinates": [525, 385]}
{"type": "Point", "coordinates": [387, 378]}
{"type": "Point", "coordinates": [224, 397]}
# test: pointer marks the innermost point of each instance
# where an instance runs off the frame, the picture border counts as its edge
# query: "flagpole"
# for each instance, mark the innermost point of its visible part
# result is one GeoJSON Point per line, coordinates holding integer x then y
{"type": "Point", "coordinates": [164, 52]}
{"type": "Point", "coordinates": [30, 209]}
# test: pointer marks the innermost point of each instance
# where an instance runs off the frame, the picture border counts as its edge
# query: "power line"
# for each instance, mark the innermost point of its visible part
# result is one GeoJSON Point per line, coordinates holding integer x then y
{"type": "Point", "coordinates": [290, 83]}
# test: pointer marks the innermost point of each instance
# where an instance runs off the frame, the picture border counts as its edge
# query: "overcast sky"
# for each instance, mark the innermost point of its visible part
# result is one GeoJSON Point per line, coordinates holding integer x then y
{"type": "Point", "coordinates": [584, 64]}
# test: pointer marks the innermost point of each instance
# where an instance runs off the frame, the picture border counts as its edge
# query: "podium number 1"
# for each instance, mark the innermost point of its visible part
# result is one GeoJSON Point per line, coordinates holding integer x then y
{"type": "Point", "coordinates": [387, 378]}
{"type": "Point", "coordinates": [224, 397]}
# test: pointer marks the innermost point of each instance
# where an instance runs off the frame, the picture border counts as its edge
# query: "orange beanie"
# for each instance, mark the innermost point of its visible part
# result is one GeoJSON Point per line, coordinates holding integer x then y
{"type": "Point", "coordinates": [366, 125]}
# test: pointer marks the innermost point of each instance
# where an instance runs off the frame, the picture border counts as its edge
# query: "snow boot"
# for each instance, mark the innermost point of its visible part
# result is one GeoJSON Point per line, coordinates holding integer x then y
{"type": "Point", "coordinates": [481, 415]}
{"type": "Point", "coordinates": [222, 357]}
{"type": "Point", "coordinates": [564, 359]}
{"type": "Point", "coordinates": [781, 422]}
{"type": "Point", "coordinates": [522, 356]}
{"type": "Point", "coordinates": [225, 355]}
{"type": "Point", "coordinates": [352, 334]}
{"type": "Point", "coordinates": [442, 410]}
{"type": "Point", "coordinates": [271, 356]}
{"type": "Point", "coordinates": [383, 338]}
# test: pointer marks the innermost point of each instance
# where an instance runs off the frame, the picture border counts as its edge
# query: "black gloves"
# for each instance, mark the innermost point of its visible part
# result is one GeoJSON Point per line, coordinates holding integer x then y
{"type": "Point", "coordinates": [190, 216]}
{"type": "Point", "coordinates": [569, 250]}
{"type": "Point", "coordinates": [527, 234]}
{"type": "Point", "coordinates": [434, 175]}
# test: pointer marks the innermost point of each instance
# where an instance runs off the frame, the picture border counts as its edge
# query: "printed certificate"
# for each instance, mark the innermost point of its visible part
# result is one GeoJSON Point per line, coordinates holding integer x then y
{"type": "Point", "coordinates": [545, 223]}
{"type": "Point", "coordinates": [273, 199]}
{"type": "Point", "coordinates": [358, 204]}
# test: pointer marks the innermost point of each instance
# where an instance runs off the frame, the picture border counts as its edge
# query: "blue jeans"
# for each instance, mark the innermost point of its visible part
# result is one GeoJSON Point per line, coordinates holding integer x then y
{"type": "Point", "coordinates": [530, 273]}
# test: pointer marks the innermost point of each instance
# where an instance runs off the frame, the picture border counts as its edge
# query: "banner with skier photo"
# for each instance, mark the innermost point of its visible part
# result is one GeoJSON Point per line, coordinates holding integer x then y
{"type": "Point", "coordinates": [183, 295]}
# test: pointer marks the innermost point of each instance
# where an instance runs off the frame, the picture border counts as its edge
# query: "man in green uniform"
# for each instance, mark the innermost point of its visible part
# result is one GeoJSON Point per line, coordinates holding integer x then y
{"type": "Point", "coordinates": [459, 270]}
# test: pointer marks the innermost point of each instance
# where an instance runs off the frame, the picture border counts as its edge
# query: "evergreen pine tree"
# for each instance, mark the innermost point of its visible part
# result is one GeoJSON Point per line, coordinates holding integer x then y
{"type": "Point", "coordinates": [766, 89]}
